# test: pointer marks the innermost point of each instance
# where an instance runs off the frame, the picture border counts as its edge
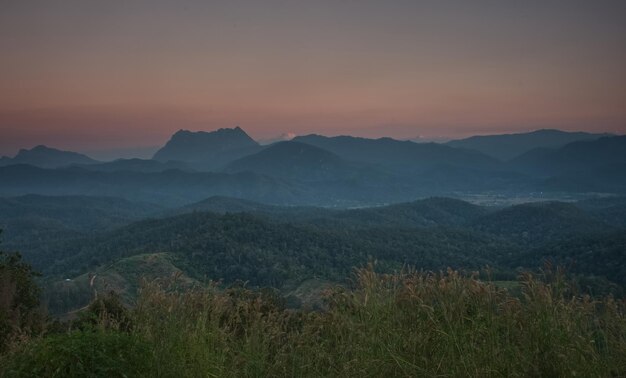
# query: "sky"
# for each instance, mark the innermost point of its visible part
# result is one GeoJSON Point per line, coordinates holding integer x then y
{"type": "Point", "coordinates": [101, 75]}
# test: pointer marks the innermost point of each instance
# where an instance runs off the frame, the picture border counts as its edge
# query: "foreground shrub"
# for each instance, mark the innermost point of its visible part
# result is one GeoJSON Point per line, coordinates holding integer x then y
{"type": "Point", "coordinates": [105, 313]}
{"type": "Point", "coordinates": [81, 354]}
{"type": "Point", "coordinates": [20, 315]}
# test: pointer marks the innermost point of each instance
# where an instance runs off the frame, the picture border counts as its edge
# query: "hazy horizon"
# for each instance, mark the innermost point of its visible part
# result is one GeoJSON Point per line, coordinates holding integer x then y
{"type": "Point", "coordinates": [146, 152]}
{"type": "Point", "coordinates": [90, 76]}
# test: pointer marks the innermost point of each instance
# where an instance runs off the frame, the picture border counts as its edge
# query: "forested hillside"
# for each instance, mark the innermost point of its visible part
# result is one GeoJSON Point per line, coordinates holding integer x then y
{"type": "Point", "coordinates": [227, 239]}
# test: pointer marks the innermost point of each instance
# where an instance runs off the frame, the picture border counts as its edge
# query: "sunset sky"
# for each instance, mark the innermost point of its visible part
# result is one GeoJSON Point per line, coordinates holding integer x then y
{"type": "Point", "coordinates": [96, 75]}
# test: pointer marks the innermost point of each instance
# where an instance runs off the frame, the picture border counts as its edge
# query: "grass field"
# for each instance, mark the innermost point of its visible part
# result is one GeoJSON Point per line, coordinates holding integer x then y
{"type": "Point", "coordinates": [409, 324]}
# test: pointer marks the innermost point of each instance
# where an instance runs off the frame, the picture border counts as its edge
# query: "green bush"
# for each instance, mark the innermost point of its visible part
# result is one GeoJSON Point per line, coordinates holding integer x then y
{"type": "Point", "coordinates": [81, 354]}
{"type": "Point", "coordinates": [105, 313]}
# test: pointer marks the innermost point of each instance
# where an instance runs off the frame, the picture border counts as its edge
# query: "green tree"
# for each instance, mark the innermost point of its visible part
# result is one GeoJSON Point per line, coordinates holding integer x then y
{"type": "Point", "coordinates": [20, 314]}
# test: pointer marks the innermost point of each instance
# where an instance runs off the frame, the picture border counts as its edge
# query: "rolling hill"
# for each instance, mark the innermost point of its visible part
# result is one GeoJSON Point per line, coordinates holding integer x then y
{"type": "Point", "coordinates": [296, 161]}
{"type": "Point", "coordinates": [124, 277]}
{"type": "Point", "coordinates": [573, 157]}
{"type": "Point", "coordinates": [34, 221]}
{"type": "Point", "coordinates": [399, 156]}
{"type": "Point", "coordinates": [266, 252]}
{"type": "Point", "coordinates": [168, 188]}
{"type": "Point", "coordinates": [84, 213]}
{"type": "Point", "coordinates": [230, 239]}
{"type": "Point", "coordinates": [223, 205]}
{"type": "Point", "coordinates": [426, 213]}
{"type": "Point", "coordinates": [136, 165]}
{"type": "Point", "coordinates": [431, 212]}
{"type": "Point", "coordinates": [509, 146]}
{"type": "Point", "coordinates": [540, 222]}
{"type": "Point", "coordinates": [46, 157]}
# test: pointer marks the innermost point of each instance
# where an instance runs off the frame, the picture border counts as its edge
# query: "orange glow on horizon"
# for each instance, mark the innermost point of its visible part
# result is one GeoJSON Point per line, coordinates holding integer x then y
{"type": "Point", "coordinates": [115, 74]}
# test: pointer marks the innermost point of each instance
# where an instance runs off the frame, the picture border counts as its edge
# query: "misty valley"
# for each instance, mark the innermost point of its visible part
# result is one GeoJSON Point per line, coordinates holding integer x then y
{"type": "Point", "coordinates": [222, 253]}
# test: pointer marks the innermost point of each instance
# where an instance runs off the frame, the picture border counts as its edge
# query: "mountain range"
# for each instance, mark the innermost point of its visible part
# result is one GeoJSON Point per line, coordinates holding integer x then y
{"type": "Point", "coordinates": [136, 165]}
{"type": "Point", "coordinates": [575, 156]}
{"type": "Point", "coordinates": [341, 171]}
{"type": "Point", "coordinates": [46, 157]}
{"type": "Point", "coordinates": [398, 156]}
{"type": "Point", "coordinates": [508, 146]}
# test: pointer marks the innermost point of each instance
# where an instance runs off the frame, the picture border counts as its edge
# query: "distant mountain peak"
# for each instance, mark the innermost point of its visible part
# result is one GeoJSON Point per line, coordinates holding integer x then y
{"type": "Point", "coordinates": [210, 149]}
{"type": "Point", "coordinates": [47, 157]}
{"type": "Point", "coordinates": [238, 131]}
{"type": "Point", "coordinates": [41, 149]}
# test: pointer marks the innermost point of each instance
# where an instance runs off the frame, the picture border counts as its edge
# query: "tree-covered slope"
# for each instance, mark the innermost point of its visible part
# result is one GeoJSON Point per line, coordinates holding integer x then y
{"type": "Point", "coordinates": [536, 223]}
{"type": "Point", "coordinates": [265, 252]}
{"type": "Point", "coordinates": [600, 254]}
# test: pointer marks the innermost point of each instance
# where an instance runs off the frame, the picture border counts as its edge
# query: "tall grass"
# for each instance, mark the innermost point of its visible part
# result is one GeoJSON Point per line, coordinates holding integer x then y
{"type": "Point", "coordinates": [396, 325]}
{"type": "Point", "coordinates": [409, 324]}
